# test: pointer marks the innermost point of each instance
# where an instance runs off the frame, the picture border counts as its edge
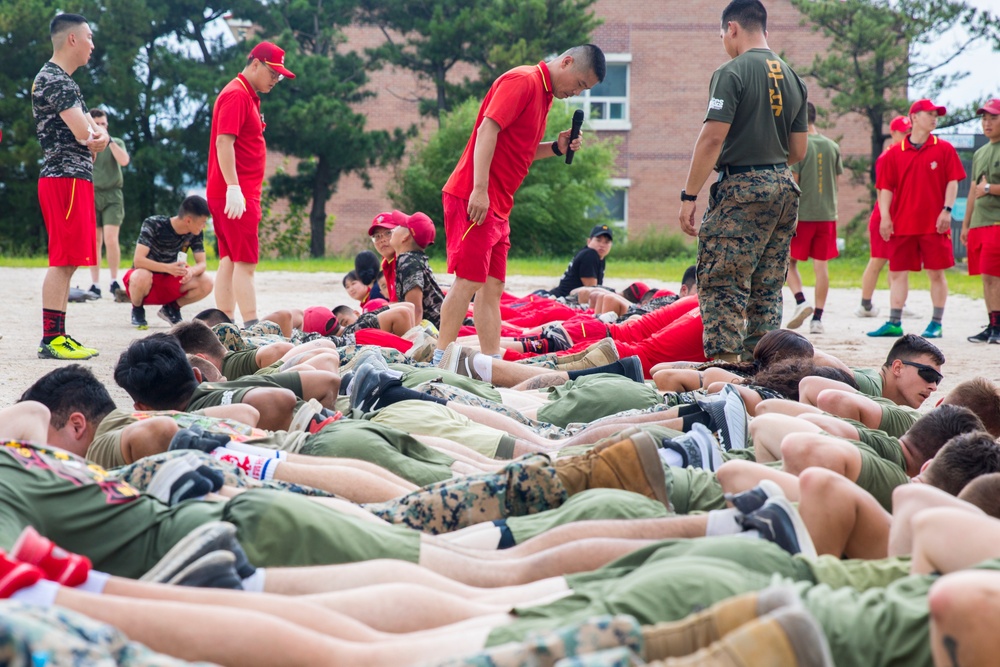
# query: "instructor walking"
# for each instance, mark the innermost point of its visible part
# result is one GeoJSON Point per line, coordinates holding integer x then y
{"type": "Point", "coordinates": [755, 127]}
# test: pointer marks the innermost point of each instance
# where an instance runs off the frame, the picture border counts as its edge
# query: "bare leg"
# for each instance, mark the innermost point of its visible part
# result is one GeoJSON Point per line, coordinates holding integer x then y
{"type": "Point", "coordinates": [948, 539]}
{"type": "Point", "coordinates": [769, 430]}
{"type": "Point", "coordinates": [27, 421]}
{"type": "Point", "coordinates": [899, 288]}
{"type": "Point", "coordinates": [195, 290]}
{"type": "Point", "coordinates": [456, 304]}
{"type": "Point", "coordinates": [112, 249]}
{"type": "Point", "coordinates": [939, 287]}
{"type": "Point", "coordinates": [870, 277]}
{"type": "Point", "coordinates": [793, 279]}
{"type": "Point", "coordinates": [356, 485]}
{"type": "Point", "coordinates": [908, 501]}
{"type": "Point", "coordinates": [95, 270]}
{"type": "Point", "coordinates": [487, 315]}
{"type": "Point", "coordinates": [224, 298]}
{"type": "Point", "coordinates": [822, 271]}
{"type": "Point", "coordinates": [963, 612]}
{"type": "Point", "coordinates": [842, 518]}
{"type": "Point", "coordinates": [244, 289]}
{"type": "Point", "coordinates": [55, 287]}
{"type": "Point", "coordinates": [737, 476]}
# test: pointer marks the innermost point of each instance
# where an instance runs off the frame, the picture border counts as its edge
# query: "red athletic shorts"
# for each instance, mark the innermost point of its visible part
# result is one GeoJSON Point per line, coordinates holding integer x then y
{"type": "Point", "coordinates": [638, 330]}
{"type": "Point", "coordinates": [880, 247]}
{"type": "Point", "coordinates": [984, 251]}
{"type": "Point", "coordinates": [475, 252]}
{"type": "Point", "coordinates": [70, 219]}
{"type": "Point", "coordinates": [915, 252]}
{"type": "Point", "coordinates": [238, 238]}
{"type": "Point", "coordinates": [382, 339]}
{"type": "Point", "coordinates": [816, 240]}
{"type": "Point", "coordinates": [165, 289]}
{"type": "Point", "coordinates": [585, 328]}
{"type": "Point", "coordinates": [681, 340]}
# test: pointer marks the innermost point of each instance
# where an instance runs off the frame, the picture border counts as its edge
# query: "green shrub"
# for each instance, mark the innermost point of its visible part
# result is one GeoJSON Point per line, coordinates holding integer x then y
{"type": "Point", "coordinates": [654, 245]}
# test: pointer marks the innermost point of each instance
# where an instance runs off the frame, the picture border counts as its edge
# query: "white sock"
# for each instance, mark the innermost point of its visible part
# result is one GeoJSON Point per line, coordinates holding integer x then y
{"type": "Point", "coordinates": [255, 582]}
{"type": "Point", "coordinates": [95, 583]}
{"type": "Point", "coordinates": [477, 536]}
{"type": "Point", "coordinates": [264, 452]}
{"type": "Point", "coordinates": [671, 457]}
{"type": "Point", "coordinates": [438, 356]}
{"type": "Point", "coordinates": [484, 366]}
{"type": "Point", "coordinates": [42, 594]}
{"type": "Point", "coordinates": [723, 522]}
{"type": "Point", "coordinates": [256, 467]}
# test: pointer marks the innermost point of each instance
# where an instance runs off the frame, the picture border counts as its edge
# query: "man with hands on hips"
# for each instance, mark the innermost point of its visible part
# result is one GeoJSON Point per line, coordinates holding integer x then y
{"type": "Point", "coordinates": [237, 155]}
{"type": "Point", "coordinates": [479, 195]}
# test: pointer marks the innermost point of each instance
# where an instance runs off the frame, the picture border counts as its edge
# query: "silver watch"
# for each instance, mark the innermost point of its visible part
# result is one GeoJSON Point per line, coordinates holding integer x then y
{"type": "Point", "coordinates": [987, 188]}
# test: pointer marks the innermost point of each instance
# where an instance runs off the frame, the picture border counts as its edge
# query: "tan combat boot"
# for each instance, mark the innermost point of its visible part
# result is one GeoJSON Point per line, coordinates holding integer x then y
{"type": "Point", "coordinates": [632, 464]}
{"type": "Point", "coordinates": [601, 353]}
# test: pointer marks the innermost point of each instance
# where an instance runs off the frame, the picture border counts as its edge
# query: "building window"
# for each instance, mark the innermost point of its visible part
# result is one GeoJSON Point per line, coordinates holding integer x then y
{"type": "Point", "coordinates": [606, 103]}
{"type": "Point", "coordinates": [615, 202]}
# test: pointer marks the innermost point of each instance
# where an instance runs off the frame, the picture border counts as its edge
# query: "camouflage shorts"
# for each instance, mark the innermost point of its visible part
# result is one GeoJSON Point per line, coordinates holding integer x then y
{"type": "Point", "coordinates": [452, 393]}
{"type": "Point", "coordinates": [36, 636]}
{"type": "Point", "coordinates": [140, 474]}
{"type": "Point", "coordinates": [527, 485]}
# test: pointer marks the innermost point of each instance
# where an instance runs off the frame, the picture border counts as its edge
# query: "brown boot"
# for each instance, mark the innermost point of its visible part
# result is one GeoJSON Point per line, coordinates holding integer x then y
{"type": "Point", "coordinates": [601, 353]}
{"type": "Point", "coordinates": [632, 464]}
{"type": "Point", "coordinates": [700, 630]}
{"type": "Point", "coordinates": [787, 637]}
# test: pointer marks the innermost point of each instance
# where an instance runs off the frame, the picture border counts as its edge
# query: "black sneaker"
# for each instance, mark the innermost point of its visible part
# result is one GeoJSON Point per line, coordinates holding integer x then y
{"type": "Point", "coordinates": [139, 318]}
{"type": "Point", "coordinates": [751, 500]}
{"type": "Point", "coordinates": [983, 336]}
{"type": "Point", "coordinates": [170, 313]}
{"type": "Point", "coordinates": [117, 293]}
{"type": "Point", "coordinates": [994, 337]}
{"type": "Point", "coordinates": [633, 368]}
{"type": "Point", "coordinates": [368, 386]}
{"type": "Point", "coordinates": [95, 291]}
{"type": "Point", "coordinates": [777, 521]}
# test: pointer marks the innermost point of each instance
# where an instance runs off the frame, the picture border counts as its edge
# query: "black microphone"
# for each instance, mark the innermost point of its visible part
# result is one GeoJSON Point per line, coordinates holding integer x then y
{"type": "Point", "coordinates": [574, 133]}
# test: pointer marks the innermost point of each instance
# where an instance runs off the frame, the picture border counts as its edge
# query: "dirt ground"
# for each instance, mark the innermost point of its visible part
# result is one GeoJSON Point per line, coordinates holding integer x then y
{"type": "Point", "coordinates": [105, 325]}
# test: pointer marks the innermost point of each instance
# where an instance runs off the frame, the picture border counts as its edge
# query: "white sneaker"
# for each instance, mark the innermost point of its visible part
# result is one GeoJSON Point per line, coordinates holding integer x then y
{"type": "Point", "coordinates": [816, 327]}
{"type": "Point", "coordinates": [861, 312]}
{"type": "Point", "coordinates": [802, 311]}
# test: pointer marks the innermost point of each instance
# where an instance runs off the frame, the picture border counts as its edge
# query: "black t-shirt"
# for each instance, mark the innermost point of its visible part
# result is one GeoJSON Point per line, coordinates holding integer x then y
{"type": "Point", "coordinates": [586, 264]}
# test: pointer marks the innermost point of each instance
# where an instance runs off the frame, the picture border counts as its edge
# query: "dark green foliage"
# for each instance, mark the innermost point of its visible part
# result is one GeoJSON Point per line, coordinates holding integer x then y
{"type": "Point", "coordinates": [550, 208]}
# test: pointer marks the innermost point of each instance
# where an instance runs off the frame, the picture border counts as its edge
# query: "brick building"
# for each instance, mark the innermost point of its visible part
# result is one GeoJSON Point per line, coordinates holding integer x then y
{"type": "Point", "coordinates": [661, 55]}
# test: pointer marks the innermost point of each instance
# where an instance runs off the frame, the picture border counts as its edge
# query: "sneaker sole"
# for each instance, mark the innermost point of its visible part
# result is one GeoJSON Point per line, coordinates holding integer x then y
{"type": "Point", "coordinates": [649, 459]}
{"type": "Point", "coordinates": [799, 318]}
{"type": "Point", "coordinates": [806, 546]}
{"type": "Point", "coordinates": [216, 569]}
{"type": "Point", "coordinates": [45, 353]}
{"type": "Point", "coordinates": [166, 319]}
{"type": "Point", "coordinates": [204, 540]}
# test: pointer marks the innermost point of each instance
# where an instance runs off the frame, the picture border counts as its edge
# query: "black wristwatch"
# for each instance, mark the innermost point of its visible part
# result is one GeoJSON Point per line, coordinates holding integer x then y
{"type": "Point", "coordinates": [555, 148]}
{"type": "Point", "coordinates": [948, 208]}
{"type": "Point", "coordinates": [686, 197]}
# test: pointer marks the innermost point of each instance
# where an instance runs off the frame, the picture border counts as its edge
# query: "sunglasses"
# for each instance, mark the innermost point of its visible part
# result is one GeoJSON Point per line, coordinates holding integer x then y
{"type": "Point", "coordinates": [926, 373]}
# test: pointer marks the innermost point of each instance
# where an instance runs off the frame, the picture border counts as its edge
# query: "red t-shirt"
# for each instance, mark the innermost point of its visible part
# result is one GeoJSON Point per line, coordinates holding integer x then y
{"type": "Point", "coordinates": [389, 271]}
{"type": "Point", "coordinates": [237, 112]}
{"type": "Point", "coordinates": [917, 180]}
{"type": "Point", "coordinates": [519, 102]}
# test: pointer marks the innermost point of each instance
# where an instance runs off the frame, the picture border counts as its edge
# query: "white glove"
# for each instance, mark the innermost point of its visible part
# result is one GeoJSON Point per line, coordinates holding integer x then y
{"type": "Point", "coordinates": [236, 205]}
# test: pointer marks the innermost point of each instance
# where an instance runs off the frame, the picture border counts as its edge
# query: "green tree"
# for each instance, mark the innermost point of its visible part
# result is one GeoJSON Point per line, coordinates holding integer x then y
{"type": "Point", "coordinates": [875, 54]}
{"type": "Point", "coordinates": [314, 113]}
{"type": "Point", "coordinates": [554, 208]}
{"type": "Point", "coordinates": [430, 37]}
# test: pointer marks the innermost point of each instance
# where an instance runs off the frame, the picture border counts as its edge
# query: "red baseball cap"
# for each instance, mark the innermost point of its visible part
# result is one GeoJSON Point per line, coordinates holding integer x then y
{"type": "Point", "coordinates": [273, 56]}
{"type": "Point", "coordinates": [319, 319]}
{"type": "Point", "coordinates": [900, 124]}
{"type": "Point", "coordinates": [387, 220]}
{"type": "Point", "coordinates": [927, 105]}
{"type": "Point", "coordinates": [991, 107]}
{"type": "Point", "coordinates": [422, 229]}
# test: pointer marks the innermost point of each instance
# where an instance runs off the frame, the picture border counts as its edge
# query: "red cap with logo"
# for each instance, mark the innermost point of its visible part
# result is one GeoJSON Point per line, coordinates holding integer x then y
{"type": "Point", "coordinates": [319, 319]}
{"type": "Point", "coordinates": [900, 124]}
{"type": "Point", "coordinates": [421, 228]}
{"type": "Point", "coordinates": [927, 105]}
{"type": "Point", "coordinates": [387, 220]}
{"type": "Point", "coordinates": [991, 107]}
{"type": "Point", "coordinates": [273, 56]}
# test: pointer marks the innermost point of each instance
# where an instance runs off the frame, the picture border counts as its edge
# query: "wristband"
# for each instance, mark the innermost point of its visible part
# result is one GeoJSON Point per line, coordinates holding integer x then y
{"type": "Point", "coordinates": [555, 148]}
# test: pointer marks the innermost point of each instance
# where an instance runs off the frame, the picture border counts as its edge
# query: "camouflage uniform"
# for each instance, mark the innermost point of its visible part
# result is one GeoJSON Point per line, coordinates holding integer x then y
{"type": "Point", "coordinates": [413, 271]}
{"type": "Point", "coordinates": [367, 320]}
{"type": "Point", "coordinates": [52, 92]}
{"type": "Point", "coordinates": [743, 258]}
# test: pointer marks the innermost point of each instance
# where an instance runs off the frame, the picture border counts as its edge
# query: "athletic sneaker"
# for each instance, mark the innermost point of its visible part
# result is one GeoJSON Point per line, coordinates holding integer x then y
{"type": "Point", "coordinates": [802, 311]}
{"type": "Point", "coordinates": [863, 312]}
{"type": "Point", "coordinates": [729, 418]}
{"type": "Point", "coordinates": [751, 500]}
{"type": "Point", "coordinates": [114, 288]}
{"type": "Point", "coordinates": [368, 386]}
{"type": "Point", "coordinates": [816, 327]}
{"type": "Point", "coordinates": [633, 368]}
{"type": "Point", "coordinates": [887, 330]}
{"type": "Point", "coordinates": [80, 346]}
{"type": "Point", "coordinates": [170, 313]}
{"type": "Point", "coordinates": [698, 448]}
{"type": "Point", "coordinates": [458, 359]}
{"type": "Point", "coordinates": [61, 347]}
{"type": "Point", "coordinates": [995, 337]}
{"type": "Point", "coordinates": [933, 330]}
{"type": "Point", "coordinates": [779, 522]}
{"type": "Point", "coordinates": [205, 539]}
{"type": "Point", "coordinates": [982, 337]}
{"type": "Point", "coordinates": [94, 292]}
{"type": "Point", "coordinates": [366, 356]}
{"type": "Point", "coordinates": [139, 318]}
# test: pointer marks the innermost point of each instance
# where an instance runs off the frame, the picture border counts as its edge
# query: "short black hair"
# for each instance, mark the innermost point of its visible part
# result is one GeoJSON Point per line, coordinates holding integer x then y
{"type": "Point", "coordinates": [928, 434]}
{"type": "Point", "coordinates": [195, 337]}
{"type": "Point", "coordinates": [591, 57]}
{"type": "Point", "coordinates": [963, 458]}
{"type": "Point", "coordinates": [911, 346]}
{"type": "Point", "coordinates": [194, 206]}
{"type": "Point", "coordinates": [70, 389]}
{"type": "Point", "coordinates": [811, 112]}
{"type": "Point", "coordinates": [98, 113]}
{"type": "Point", "coordinates": [213, 316]}
{"type": "Point", "coordinates": [154, 370]}
{"type": "Point", "coordinates": [343, 310]}
{"type": "Point", "coordinates": [690, 277]}
{"type": "Point", "coordinates": [750, 14]}
{"type": "Point", "coordinates": [64, 22]}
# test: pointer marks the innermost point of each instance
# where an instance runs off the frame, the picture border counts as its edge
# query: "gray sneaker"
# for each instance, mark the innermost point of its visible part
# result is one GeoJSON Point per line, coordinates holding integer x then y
{"type": "Point", "coordinates": [779, 522]}
{"type": "Point", "coordinates": [209, 537]}
{"type": "Point", "coordinates": [213, 570]}
{"type": "Point", "coordinates": [698, 448]}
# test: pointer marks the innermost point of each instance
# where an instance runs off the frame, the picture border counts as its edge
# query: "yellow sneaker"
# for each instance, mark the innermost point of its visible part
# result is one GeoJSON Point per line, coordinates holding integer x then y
{"type": "Point", "coordinates": [75, 343]}
{"type": "Point", "coordinates": [61, 347]}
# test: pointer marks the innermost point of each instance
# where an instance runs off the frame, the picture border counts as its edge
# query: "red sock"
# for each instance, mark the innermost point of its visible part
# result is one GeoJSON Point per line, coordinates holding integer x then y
{"type": "Point", "coordinates": [53, 324]}
{"type": "Point", "coordinates": [534, 344]}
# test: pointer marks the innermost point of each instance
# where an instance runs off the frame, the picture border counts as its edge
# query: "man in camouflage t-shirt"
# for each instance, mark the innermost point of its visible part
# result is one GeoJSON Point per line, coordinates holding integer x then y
{"type": "Point", "coordinates": [754, 128]}
{"type": "Point", "coordinates": [69, 140]}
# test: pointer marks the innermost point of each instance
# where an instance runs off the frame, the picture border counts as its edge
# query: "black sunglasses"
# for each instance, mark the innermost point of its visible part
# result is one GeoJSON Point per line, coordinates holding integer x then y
{"type": "Point", "coordinates": [926, 373]}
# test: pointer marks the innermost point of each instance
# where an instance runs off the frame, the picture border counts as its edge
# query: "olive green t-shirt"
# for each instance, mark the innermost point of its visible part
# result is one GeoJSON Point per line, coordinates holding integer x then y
{"type": "Point", "coordinates": [818, 173]}
{"type": "Point", "coordinates": [240, 364]}
{"type": "Point", "coordinates": [763, 101]}
{"type": "Point", "coordinates": [210, 394]}
{"type": "Point", "coordinates": [107, 171]}
{"type": "Point", "coordinates": [869, 381]}
{"type": "Point", "coordinates": [986, 162]}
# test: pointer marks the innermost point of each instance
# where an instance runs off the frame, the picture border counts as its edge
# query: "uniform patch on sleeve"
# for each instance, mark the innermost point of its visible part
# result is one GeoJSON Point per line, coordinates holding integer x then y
{"type": "Point", "coordinates": [715, 104]}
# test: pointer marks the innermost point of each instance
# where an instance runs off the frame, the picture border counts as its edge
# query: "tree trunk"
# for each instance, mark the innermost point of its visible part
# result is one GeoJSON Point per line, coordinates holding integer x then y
{"type": "Point", "coordinates": [317, 215]}
{"type": "Point", "coordinates": [439, 83]}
